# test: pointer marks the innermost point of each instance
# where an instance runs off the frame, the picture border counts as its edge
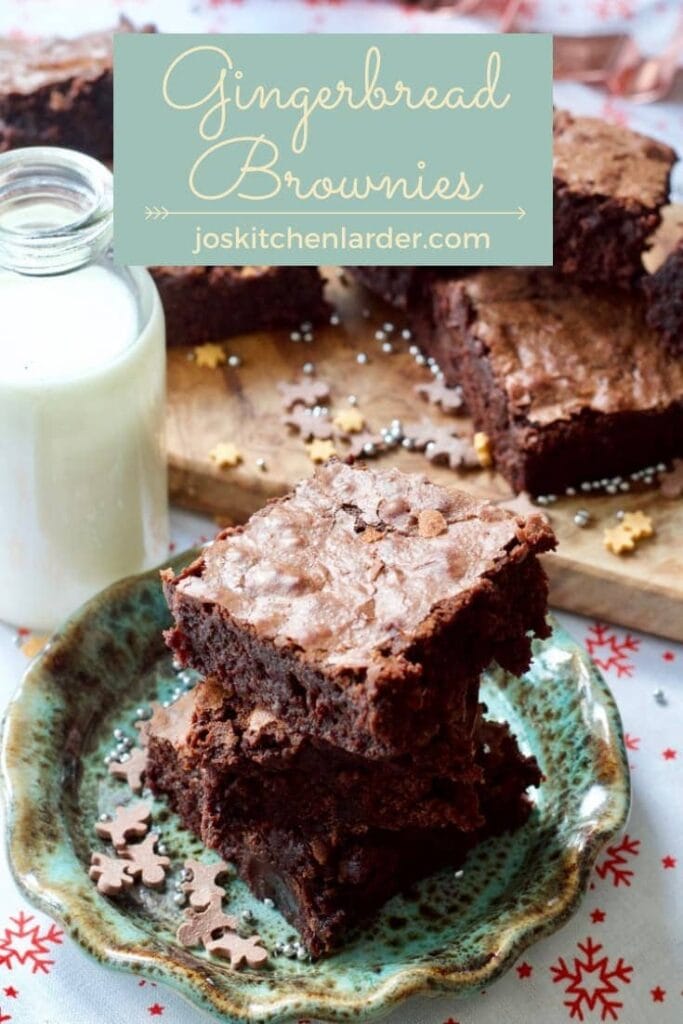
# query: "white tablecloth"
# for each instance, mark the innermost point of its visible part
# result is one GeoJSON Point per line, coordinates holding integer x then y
{"type": "Point", "coordinates": [621, 957]}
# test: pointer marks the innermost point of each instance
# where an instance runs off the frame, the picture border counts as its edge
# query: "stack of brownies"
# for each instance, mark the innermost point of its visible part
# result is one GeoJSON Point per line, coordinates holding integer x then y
{"type": "Point", "coordinates": [336, 750]}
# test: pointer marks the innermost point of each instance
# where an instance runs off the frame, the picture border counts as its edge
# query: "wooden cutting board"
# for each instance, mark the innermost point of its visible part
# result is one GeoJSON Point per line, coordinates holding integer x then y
{"type": "Point", "coordinates": [643, 590]}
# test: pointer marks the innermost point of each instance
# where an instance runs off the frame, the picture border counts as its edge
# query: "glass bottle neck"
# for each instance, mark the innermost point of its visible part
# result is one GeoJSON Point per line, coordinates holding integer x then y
{"type": "Point", "coordinates": [55, 210]}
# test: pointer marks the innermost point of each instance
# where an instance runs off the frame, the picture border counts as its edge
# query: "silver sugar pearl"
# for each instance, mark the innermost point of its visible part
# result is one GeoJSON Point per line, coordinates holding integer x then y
{"type": "Point", "coordinates": [269, 903]}
{"type": "Point", "coordinates": [460, 873]}
{"type": "Point", "coordinates": [661, 467]}
{"type": "Point", "coordinates": [612, 488]}
{"type": "Point", "coordinates": [585, 486]}
{"type": "Point", "coordinates": [261, 464]}
{"type": "Point", "coordinates": [541, 499]}
{"type": "Point", "coordinates": [435, 369]}
{"type": "Point", "coordinates": [301, 954]}
{"type": "Point", "coordinates": [660, 697]}
{"type": "Point", "coordinates": [179, 899]}
{"type": "Point", "coordinates": [380, 335]}
{"type": "Point", "coordinates": [352, 399]}
{"type": "Point", "coordinates": [619, 515]}
{"type": "Point", "coordinates": [407, 334]}
{"type": "Point", "coordinates": [119, 734]}
{"type": "Point", "coordinates": [247, 916]}
{"type": "Point", "coordinates": [414, 350]}
{"type": "Point", "coordinates": [396, 426]}
{"type": "Point", "coordinates": [420, 359]}
{"type": "Point", "coordinates": [389, 328]}
{"type": "Point", "coordinates": [308, 337]}
{"type": "Point", "coordinates": [124, 757]}
{"type": "Point", "coordinates": [570, 492]}
{"type": "Point", "coordinates": [104, 817]}
{"type": "Point", "coordinates": [431, 361]}
{"type": "Point", "coordinates": [295, 336]}
{"type": "Point", "coordinates": [234, 361]}
{"type": "Point", "coordinates": [581, 517]}
{"type": "Point", "coordinates": [306, 325]}
{"type": "Point", "coordinates": [408, 443]}
{"type": "Point", "coordinates": [308, 368]}
{"type": "Point", "coordinates": [369, 448]}
{"type": "Point", "coordinates": [625, 486]}
{"type": "Point", "coordinates": [334, 319]}
{"type": "Point", "coordinates": [162, 849]}
{"type": "Point", "coordinates": [387, 347]}
{"type": "Point", "coordinates": [361, 358]}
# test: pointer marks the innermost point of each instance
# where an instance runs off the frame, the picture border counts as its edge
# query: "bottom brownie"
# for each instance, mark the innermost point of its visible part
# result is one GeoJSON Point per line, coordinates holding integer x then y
{"type": "Point", "coordinates": [212, 303]}
{"type": "Point", "coordinates": [325, 877]}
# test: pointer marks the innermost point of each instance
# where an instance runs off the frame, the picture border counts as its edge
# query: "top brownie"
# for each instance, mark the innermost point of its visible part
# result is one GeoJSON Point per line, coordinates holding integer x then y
{"type": "Point", "coordinates": [363, 606]}
{"type": "Point", "coordinates": [609, 184]}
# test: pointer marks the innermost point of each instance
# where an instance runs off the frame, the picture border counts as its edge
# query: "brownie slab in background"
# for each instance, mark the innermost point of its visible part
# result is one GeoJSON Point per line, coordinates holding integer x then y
{"type": "Point", "coordinates": [362, 607]}
{"type": "Point", "coordinates": [325, 878]}
{"type": "Point", "coordinates": [664, 301]}
{"type": "Point", "coordinates": [609, 185]}
{"type": "Point", "coordinates": [59, 92]}
{"type": "Point", "coordinates": [212, 303]}
{"type": "Point", "coordinates": [255, 768]}
{"type": "Point", "coordinates": [569, 384]}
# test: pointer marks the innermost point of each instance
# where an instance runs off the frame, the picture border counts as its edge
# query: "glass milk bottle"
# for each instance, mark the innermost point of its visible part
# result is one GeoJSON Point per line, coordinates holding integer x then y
{"type": "Point", "coordinates": [83, 498]}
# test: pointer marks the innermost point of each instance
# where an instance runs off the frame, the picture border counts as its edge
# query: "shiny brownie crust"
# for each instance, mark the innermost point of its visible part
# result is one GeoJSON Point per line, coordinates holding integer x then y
{"type": "Point", "coordinates": [401, 686]}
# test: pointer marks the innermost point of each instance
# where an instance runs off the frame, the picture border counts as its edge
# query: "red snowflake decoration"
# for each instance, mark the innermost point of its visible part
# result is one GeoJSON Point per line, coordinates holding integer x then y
{"type": "Point", "coordinates": [617, 857]}
{"type": "Point", "coordinates": [4, 1016]}
{"type": "Point", "coordinates": [608, 652]}
{"type": "Point", "coordinates": [592, 982]}
{"type": "Point", "coordinates": [24, 942]}
{"type": "Point", "coordinates": [632, 742]}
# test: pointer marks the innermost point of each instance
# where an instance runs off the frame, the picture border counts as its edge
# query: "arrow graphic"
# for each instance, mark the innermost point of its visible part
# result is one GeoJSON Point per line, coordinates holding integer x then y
{"type": "Point", "coordinates": [161, 213]}
{"type": "Point", "coordinates": [156, 213]}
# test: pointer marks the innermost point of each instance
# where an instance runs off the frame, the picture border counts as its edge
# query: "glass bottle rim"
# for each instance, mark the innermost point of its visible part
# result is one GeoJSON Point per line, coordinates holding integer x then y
{"type": "Point", "coordinates": [56, 209]}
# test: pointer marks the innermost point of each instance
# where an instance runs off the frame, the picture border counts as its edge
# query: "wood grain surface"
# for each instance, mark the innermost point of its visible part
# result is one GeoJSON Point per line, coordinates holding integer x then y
{"type": "Point", "coordinates": [643, 590]}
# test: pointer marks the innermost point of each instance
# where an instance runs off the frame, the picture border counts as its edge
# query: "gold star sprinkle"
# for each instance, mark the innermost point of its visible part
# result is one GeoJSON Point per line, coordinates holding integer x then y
{"type": "Point", "coordinates": [482, 446]}
{"type": "Point", "coordinates": [637, 525]}
{"type": "Point", "coordinates": [33, 645]}
{"type": "Point", "coordinates": [209, 355]}
{"type": "Point", "coordinates": [320, 451]}
{"type": "Point", "coordinates": [618, 540]}
{"type": "Point", "coordinates": [225, 455]}
{"type": "Point", "coordinates": [349, 421]}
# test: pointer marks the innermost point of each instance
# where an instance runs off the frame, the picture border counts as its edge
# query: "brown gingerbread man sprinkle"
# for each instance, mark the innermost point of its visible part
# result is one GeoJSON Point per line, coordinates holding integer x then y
{"type": "Point", "coordinates": [238, 950]}
{"type": "Point", "coordinates": [450, 399]}
{"type": "Point", "coordinates": [309, 425]}
{"type": "Point", "coordinates": [129, 822]}
{"type": "Point", "coordinates": [203, 886]}
{"type": "Point", "coordinates": [111, 874]}
{"type": "Point", "coordinates": [303, 392]}
{"type": "Point", "coordinates": [133, 770]}
{"type": "Point", "coordinates": [200, 926]}
{"type": "Point", "coordinates": [457, 452]}
{"type": "Point", "coordinates": [145, 863]}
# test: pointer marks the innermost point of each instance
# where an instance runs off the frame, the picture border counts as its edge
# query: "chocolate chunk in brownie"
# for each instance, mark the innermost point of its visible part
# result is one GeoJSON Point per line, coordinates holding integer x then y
{"type": "Point", "coordinates": [664, 301]}
{"type": "Point", "coordinates": [211, 303]}
{"type": "Point", "coordinates": [59, 92]}
{"type": "Point", "coordinates": [334, 609]}
{"type": "Point", "coordinates": [325, 877]}
{"type": "Point", "coordinates": [569, 384]}
{"type": "Point", "coordinates": [609, 184]}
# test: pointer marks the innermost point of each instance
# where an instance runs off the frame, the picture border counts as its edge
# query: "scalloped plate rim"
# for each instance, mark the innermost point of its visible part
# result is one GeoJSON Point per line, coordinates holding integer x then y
{"type": "Point", "coordinates": [191, 983]}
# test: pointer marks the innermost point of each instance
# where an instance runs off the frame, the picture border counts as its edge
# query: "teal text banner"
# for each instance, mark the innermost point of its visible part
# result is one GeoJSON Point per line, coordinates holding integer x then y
{"type": "Point", "coordinates": [336, 149]}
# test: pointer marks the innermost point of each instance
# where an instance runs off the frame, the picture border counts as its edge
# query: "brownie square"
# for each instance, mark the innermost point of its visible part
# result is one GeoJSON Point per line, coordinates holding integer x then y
{"type": "Point", "coordinates": [569, 384]}
{"type": "Point", "coordinates": [326, 877]}
{"type": "Point", "coordinates": [254, 768]}
{"type": "Point", "coordinates": [59, 92]}
{"type": "Point", "coordinates": [363, 606]}
{"type": "Point", "coordinates": [212, 303]}
{"type": "Point", "coordinates": [609, 184]}
{"type": "Point", "coordinates": [664, 301]}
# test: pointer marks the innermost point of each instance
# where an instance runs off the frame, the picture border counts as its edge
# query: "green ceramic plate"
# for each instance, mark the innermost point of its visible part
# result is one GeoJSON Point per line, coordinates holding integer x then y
{"type": "Point", "coordinates": [457, 935]}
